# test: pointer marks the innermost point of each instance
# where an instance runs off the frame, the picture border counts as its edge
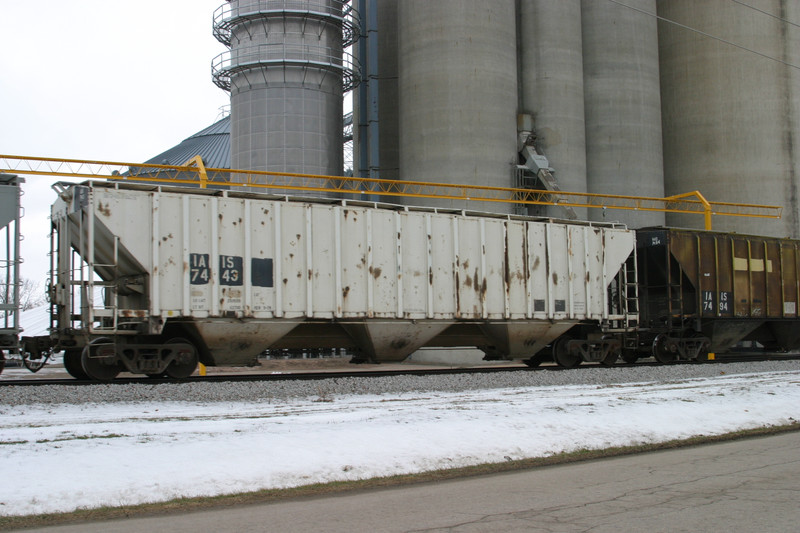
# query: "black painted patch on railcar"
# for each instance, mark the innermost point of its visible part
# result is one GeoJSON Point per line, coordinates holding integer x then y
{"type": "Point", "coordinates": [199, 270]}
{"type": "Point", "coordinates": [538, 306]}
{"type": "Point", "coordinates": [723, 303]}
{"type": "Point", "coordinates": [231, 270]}
{"type": "Point", "coordinates": [725, 299]}
{"type": "Point", "coordinates": [561, 306]}
{"type": "Point", "coordinates": [261, 272]}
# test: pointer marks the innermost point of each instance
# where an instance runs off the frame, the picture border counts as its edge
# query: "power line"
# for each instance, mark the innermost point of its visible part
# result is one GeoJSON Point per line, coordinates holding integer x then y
{"type": "Point", "coordinates": [704, 34]}
{"type": "Point", "coordinates": [766, 13]}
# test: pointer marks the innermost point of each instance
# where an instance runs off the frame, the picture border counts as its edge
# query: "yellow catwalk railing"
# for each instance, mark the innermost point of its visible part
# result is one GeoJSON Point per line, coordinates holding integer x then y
{"type": "Point", "coordinates": [194, 172]}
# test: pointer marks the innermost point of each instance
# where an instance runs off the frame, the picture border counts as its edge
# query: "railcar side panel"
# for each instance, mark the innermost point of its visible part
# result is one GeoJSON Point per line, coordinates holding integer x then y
{"type": "Point", "coordinates": [241, 270]}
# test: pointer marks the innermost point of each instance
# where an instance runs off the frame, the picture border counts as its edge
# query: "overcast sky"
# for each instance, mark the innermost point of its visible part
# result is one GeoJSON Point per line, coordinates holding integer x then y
{"type": "Point", "coordinates": [100, 79]}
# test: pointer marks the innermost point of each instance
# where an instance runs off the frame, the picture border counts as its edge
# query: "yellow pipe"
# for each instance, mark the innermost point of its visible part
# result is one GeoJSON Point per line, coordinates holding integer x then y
{"type": "Point", "coordinates": [74, 168]}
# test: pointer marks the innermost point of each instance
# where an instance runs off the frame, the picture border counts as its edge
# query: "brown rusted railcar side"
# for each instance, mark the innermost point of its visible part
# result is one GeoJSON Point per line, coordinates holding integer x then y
{"type": "Point", "coordinates": [723, 287]}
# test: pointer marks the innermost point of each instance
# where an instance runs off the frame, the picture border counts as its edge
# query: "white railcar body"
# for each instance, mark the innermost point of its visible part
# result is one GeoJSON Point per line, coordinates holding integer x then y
{"type": "Point", "coordinates": [241, 272]}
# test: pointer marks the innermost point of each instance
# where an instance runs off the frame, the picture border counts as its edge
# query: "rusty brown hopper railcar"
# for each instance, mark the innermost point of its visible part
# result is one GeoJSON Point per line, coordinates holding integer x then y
{"type": "Point", "coordinates": [705, 292]}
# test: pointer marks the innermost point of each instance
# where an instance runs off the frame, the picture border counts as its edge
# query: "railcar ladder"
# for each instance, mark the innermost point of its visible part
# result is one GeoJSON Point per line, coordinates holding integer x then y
{"type": "Point", "coordinates": [674, 289]}
{"type": "Point", "coordinates": [630, 291]}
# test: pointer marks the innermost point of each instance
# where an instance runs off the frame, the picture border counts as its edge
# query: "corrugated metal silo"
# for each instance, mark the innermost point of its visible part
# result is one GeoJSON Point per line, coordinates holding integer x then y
{"type": "Point", "coordinates": [458, 93]}
{"type": "Point", "coordinates": [731, 117]}
{"type": "Point", "coordinates": [552, 87]}
{"type": "Point", "coordinates": [622, 105]}
{"type": "Point", "coordinates": [286, 74]}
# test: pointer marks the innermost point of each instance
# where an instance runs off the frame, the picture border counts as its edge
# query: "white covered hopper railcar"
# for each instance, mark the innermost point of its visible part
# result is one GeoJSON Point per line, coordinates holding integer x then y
{"type": "Point", "coordinates": [152, 279]}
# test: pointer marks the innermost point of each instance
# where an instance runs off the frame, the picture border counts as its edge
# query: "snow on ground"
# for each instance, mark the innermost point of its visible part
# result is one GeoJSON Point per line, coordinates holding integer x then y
{"type": "Point", "coordinates": [64, 457]}
{"type": "Point", "coordinates": [34, 322]}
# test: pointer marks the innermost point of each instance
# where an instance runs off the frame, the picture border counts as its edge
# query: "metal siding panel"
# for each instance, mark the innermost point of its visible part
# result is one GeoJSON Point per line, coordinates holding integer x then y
{"type": "Point", "coordinates": [200, 256]}
{"type": "Point", "coordinates": [724, 266]}
{"type": "Point", "coordinates": [493, 268]}
{"type": "Point", "coordinates": [443, 266]}
{"type": "Point", "coordinates": [186, 250]}
{"type": "Point", "coordinates": [293, 252]}
{"type": "Point", "coordinates": [468, 266]}
{"type": "Point", "coordinates": [277, 217]}
{"type": "Point", "coordinates": [230, 267]}
{"type": "Point", "coordinates": [324, 261]}
{"type": "Point", "coordinates": [774, 276]}
{"type": "Point", "coordinates": [337, 236]}
{"type": "Point", "coordinates": [355, 257]}
{"type": "Point", "coordinates": [539, 264]}
{"type": "Point", "coordinates": [214, 258]}
{"type": "Point", "coordinates": [416, 256]}
{"type": "Point", "coordinates": [516, 270]}
{"type": "Point", "coordinates": [262, 247]}
{"type": "Point", "coordinates": [383, 268]}
{"type": "Point", "coordinates": [789, 280]}
{"type": "Point", "coordinates": [559, 270]}
{"type": "Point", "coordinates": [707, 275]}
{"type": "Point", "coordinates": [758, 279]}
{"type": "Point", "coordinates": [170, 252]}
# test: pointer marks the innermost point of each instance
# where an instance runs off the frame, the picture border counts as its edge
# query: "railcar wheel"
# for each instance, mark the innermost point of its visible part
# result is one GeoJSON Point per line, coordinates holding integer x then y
{"type": "Point", "coordinates": [660, 351]}
{"type": "Point", "coordinates": [610, 359]}
{"type": "Point", "coordinates": [562, 356]}
{"type": "Point", "coordinates": [186, 363]}
{"type": "Point", "coordinates": [613, 355]}
{"type": "Point", "coordinates": [72, 364]}
{"type": "Point", "coordinates": [629, 356]}
{"type": "Point", "coordinates": [534, 361]}
{"type": "Point", "coordinates": [99, 360]}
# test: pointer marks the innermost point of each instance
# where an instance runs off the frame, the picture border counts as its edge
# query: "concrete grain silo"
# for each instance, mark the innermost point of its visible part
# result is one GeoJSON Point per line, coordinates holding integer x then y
{"type": "Point", "coordinates": [731, 117]}
{"type": "Point", "coordinates": [458, 94]}
{"type": "Point", "coordinates": [551, 61]}
{"type": "Point", "coordinates": [622, 105]}
{"type": "Point", "coordinates": [286, 74]}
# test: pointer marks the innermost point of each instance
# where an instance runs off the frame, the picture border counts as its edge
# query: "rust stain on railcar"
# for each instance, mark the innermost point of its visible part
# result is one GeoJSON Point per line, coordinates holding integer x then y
{"type": "Point", "coordinates": [506, 263]}
{"type": "Point", "coordinates": [458, 293]}
{"type": "Point", "coordinates": [133, 313]}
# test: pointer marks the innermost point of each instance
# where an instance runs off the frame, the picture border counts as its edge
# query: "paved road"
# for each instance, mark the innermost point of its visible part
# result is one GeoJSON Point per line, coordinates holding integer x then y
{"type": "Point", "coordinates": [746, 485]}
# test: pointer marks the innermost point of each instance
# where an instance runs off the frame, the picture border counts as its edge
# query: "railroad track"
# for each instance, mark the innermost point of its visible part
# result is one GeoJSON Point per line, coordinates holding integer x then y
{"type": "Point", "coordinates": [320, 375]}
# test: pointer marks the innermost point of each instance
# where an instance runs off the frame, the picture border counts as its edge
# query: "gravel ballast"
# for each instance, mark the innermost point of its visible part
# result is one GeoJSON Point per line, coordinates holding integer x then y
{"type": "Point", "coordinates": [328, 389]}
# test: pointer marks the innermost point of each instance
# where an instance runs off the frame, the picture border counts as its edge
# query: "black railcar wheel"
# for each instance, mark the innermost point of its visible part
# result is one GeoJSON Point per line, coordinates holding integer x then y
{"type": "Point", "coordinates": [660, 351]}
{"type": "Point", "coordinates": [72, 363]}
{"type": "Point", "coordinates": [610, 359]}
{"type": "Point", "coordinates": [629, 356]}
{"type": "Point", "coordinates": [187, 360]}
{"type": "Point", "coordinates": [534, 361]}
{"type": "Point", "coordinates": [99, 360]}
{"type": "Point", "coordinates": [562, 356]}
